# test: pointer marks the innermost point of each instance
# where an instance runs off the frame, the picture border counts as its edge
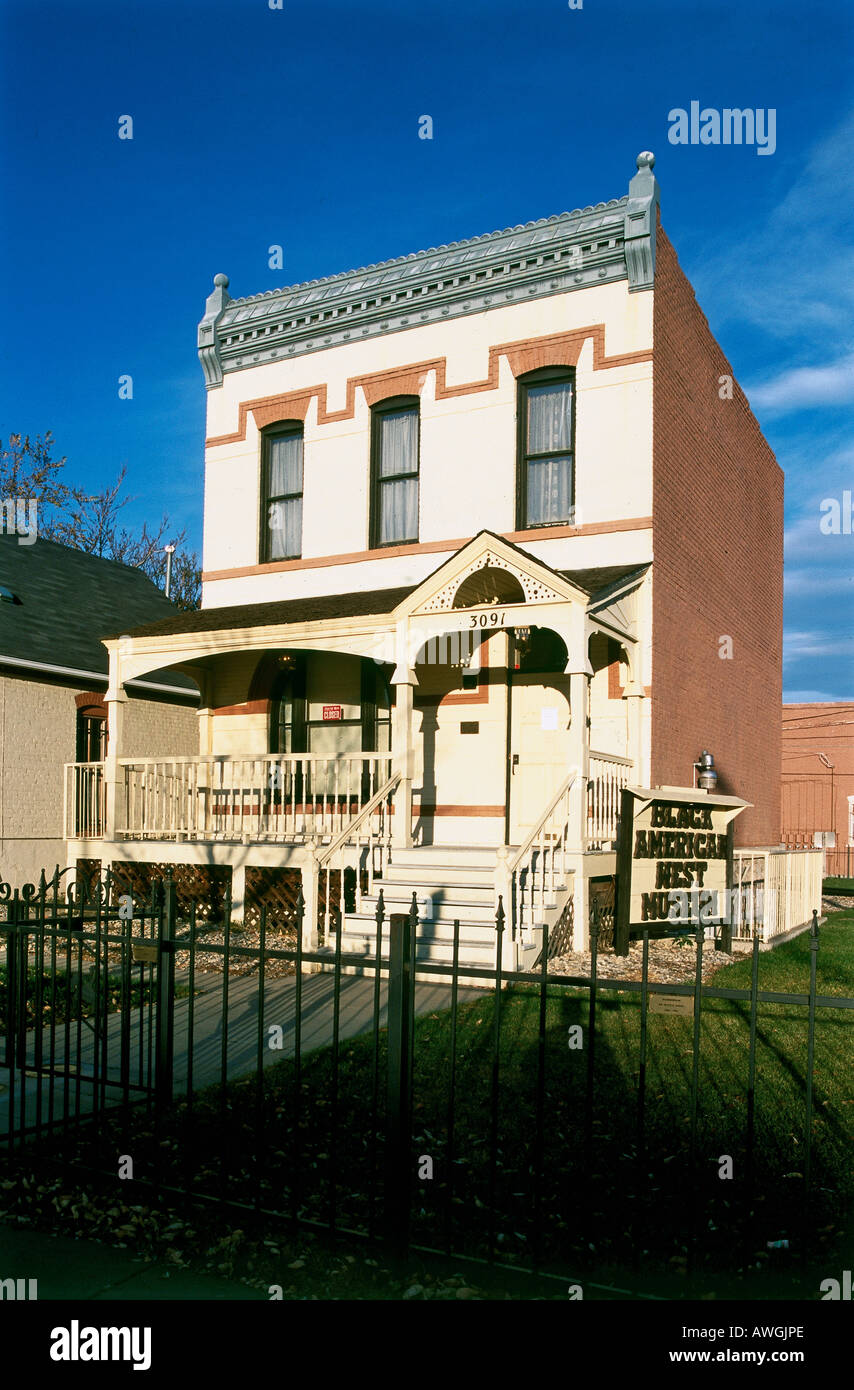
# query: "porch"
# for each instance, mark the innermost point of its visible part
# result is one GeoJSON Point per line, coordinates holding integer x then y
{"type": "Point", "coordinates": [340, 734]}
{"type": "Point", "coordinates": [283, 799]}
{"type": "Point", "coordinates": [333, 820]}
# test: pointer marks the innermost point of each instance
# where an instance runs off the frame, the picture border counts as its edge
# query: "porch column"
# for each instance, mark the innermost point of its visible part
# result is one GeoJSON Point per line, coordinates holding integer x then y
{"type": "Point", "coordinates": [115, 700]}
{"type": "Point", "coordinates": [310, 892]}
{"type": "Point", "coordinates": [633, 696]}
{"type": "Point", "coordinates": [580, 673]}
{"type": "Point", "coordinates": [403, 755]}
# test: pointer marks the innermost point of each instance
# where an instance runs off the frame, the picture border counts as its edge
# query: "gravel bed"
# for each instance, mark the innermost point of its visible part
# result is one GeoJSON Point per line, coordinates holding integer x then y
{"type": "Point", "coordinates": [670, 963]}
{"type": "Point", "coordinates": [836, 902]}
{"type": "Point", "coordinates": [240, 937]}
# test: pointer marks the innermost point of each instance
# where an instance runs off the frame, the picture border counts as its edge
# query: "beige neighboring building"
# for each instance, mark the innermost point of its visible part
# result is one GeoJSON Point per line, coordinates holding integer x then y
{"type": "Point", "coordinates": [460, 587]}
{"type": "Point", "coordinates": [55, 606]}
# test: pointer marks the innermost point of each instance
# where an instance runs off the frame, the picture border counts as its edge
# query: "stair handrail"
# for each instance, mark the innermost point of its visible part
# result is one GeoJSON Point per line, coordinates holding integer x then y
{"type": "Point", "coordinates": [541, 823]}
{"type": "Point", "coordinates": [521, 901]}
{"type": "Point", "coordinates": [352, 825]}
{"type": "Point", "coordinates": [322, 858]}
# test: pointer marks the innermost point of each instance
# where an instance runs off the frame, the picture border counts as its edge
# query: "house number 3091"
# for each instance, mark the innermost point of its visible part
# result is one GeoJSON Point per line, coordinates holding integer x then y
{"type": "Point", "coordinates": [487, 619]}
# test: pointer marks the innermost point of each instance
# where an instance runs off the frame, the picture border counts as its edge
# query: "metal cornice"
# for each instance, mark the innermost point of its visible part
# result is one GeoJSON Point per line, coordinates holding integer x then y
{"type": "Point", "coordinates": [553, 256]}
{"type": "Point", "coordinates": [603, 243]}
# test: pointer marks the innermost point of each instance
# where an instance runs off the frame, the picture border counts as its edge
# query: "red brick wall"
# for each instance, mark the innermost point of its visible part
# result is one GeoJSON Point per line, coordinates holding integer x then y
{"type": "Point", "coordinates": [718, 566]}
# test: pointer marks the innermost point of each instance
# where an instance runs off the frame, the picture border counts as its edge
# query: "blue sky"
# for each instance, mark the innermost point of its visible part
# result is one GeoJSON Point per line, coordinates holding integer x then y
{"type": "Point", "coordinates": [298, 127]}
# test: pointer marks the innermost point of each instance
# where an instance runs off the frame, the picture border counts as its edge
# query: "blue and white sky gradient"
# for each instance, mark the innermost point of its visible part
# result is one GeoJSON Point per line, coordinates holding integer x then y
{"type": "Point", "coordinates": [298, 126]}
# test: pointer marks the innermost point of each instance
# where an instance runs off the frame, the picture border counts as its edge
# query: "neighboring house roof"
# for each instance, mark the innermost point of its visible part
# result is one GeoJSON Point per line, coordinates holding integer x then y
{"type": "Point", "coordinates": [64, 602]}
{"type": "Point", "coordinates": [570, 251]}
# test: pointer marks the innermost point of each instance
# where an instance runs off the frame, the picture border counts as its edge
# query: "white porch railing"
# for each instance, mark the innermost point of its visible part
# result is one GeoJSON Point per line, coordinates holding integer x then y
{"type": "Point", "coordinates": [774, 890]}
{"type": "Point", "coordinates": [364, 838]}
{"type": "Point", "coordinates": [84, 801]}
{"type": "Point", "coordinates": [607, 776]}
{"type": "Point", "coordinates": [528, 881]}
{"type": "Point", "coordinates": [277, 797]}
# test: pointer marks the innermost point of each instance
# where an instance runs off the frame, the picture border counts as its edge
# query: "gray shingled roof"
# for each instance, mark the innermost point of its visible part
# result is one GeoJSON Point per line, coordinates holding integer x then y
{"type": "Point", "coordinates": [291, 610]}
{"type": "Point", "coordinates": [66, 601]}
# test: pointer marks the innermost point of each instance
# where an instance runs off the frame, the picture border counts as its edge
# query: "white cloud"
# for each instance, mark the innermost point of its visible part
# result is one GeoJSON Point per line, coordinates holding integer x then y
{"type": "Point", "coordinates": [797, 645]}
{"type": "Point", "coordinates": [818, 584]}
{"type": "Point", "coordinates": [792, 273]}
{"type": "Point", "coordinates": [803, 388]}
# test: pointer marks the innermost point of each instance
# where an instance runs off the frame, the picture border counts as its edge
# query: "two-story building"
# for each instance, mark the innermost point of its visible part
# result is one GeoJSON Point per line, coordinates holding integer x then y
{"type": "Point", "coordinates": [489, 532]}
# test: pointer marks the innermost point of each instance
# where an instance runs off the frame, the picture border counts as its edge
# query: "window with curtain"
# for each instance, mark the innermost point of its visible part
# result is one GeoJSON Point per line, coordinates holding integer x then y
{"type": "Point", "coordinates": [394, 468]}
{"type": "Point", "coordinates": [281, 502]}
{"type": "Point", "coordinates": [546, 427]}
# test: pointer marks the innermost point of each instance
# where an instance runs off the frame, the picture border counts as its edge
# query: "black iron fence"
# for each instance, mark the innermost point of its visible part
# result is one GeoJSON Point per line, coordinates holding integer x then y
{"type": "Point", "coordinates": [548, 1121]}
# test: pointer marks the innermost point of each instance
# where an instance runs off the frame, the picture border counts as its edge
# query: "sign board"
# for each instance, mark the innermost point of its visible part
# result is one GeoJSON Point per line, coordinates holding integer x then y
{"type": "Point", "coordinates": [680, 1005]}
{"type": "Point", "coordinates": [332, 713]}
{"type": "Point", "coordinates": [674, 868]}
{"type": "Point", "coordinates": [144, 953]}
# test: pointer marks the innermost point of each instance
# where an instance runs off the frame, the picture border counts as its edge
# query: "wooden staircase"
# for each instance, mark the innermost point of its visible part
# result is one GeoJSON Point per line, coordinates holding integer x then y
{"type": "Point", "coordinates": [451, 883]}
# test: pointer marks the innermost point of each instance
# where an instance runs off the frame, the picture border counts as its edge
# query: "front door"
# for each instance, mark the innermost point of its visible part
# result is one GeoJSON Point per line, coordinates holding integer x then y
{"type": "Point", "coordinates": [538, 750]}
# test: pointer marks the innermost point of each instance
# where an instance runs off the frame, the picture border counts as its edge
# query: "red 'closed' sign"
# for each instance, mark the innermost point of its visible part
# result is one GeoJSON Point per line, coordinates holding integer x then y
{"type": "Point", "coordinates": [331, 713]}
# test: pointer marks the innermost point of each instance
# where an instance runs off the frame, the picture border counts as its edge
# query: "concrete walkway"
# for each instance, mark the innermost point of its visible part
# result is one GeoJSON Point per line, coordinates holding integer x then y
{"type": "Point", "coordinates": [46, 1096]}
{"type": "Point", "coordinates": [87, 1270]}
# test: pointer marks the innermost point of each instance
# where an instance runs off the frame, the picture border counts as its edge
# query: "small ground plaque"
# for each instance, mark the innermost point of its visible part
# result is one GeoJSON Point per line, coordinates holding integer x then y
{"type": "Point", "coordinates": [144, 952]}
{"type": "Point", "coordinates": [680, 1004]}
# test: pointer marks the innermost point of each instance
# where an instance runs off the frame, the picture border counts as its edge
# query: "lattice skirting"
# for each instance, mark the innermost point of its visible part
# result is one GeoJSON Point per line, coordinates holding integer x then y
{"type": "Point", "coordinates": [206, 885]}
{"type": "Point", "coordinates": [275, 889]}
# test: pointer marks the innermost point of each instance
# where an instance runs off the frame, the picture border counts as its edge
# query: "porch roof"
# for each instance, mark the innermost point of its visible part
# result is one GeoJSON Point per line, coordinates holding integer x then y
{"type": "Point", "coordinates": [298, 610]}
{"type": "Point", "coordinates": [375, 602]}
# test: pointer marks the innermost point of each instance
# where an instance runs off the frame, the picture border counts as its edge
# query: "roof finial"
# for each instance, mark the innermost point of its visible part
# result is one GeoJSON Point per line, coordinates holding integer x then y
{"type": "Point", "coordinates": [640, 226]}
{"type": "Point", "coordinates": [215, 304]}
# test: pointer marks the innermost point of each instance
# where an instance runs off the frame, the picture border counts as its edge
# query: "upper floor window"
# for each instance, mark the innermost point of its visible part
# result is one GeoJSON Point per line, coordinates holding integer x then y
{"type": "Point", "coordinates": [546, 430]}
{"type": "Point", "coordinates": [281, 494]}
{"type": "Point", "coordinates": [394, 472]}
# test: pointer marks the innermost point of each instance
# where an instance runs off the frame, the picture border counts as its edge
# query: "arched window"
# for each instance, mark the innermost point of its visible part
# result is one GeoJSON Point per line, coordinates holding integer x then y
{"type": "Point", "coordinates": [281, 492]}
{"type": "Point", "coordinates": [546, 442]}
{"type": "Point", "coordinates": [394, 471]}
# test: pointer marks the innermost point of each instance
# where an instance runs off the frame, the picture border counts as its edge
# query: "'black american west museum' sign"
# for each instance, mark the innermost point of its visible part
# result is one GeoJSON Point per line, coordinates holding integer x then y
{"type": "Point", "coordinates": [674, 865]}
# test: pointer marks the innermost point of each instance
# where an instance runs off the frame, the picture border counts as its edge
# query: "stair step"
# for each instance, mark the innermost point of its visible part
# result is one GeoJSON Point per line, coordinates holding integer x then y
{"type": "Point", "coordinates": [437, 874]}
{"type": "Point", "coordinates": [445, 855]}
{"type": "Point", "coordinates": [471, 952]}
{"type": "Point", "coordinates": [397, 892]}
{"type": "Point", "coordinates": [470, 927]}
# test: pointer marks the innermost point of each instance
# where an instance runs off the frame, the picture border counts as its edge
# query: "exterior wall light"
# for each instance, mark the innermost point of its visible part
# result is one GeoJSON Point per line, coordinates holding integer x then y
{"type": "Point", "coordinates": [705, 776]}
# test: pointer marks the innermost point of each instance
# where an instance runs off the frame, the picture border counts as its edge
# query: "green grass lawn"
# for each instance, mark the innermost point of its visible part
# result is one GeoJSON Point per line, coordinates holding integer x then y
{"type": "Point", "coordinates": [603, 1201]}
{"type": "Point", "coordinates": [838, 885]}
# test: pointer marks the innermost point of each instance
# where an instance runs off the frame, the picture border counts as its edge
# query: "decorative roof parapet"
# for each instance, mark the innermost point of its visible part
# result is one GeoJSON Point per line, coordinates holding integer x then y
{"type": "Point", "coordinates": [215, 307]}
{"type": "Point", "coordinates": [570, 251]}
{"type": "Point", "coordinates": [639, 235]}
